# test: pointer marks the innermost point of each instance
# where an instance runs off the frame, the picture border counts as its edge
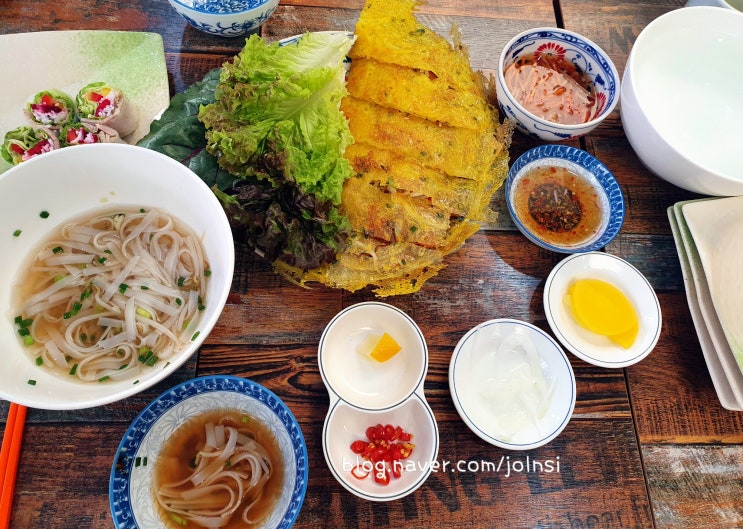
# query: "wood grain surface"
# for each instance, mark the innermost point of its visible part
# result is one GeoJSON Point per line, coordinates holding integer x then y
{"type": "Point", "coordinates": [648, 446]}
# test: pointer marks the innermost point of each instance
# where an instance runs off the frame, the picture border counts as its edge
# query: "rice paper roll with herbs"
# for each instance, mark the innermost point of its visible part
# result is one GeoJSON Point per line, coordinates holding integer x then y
{"type": "Point", "coordinates": [103, 104]}
{"type": "Point", "coordinates": [51, 108]}
{"type": "Point", "coordinates": [25, 142]}
{"type": "Point", "coordinates": [88, 133]}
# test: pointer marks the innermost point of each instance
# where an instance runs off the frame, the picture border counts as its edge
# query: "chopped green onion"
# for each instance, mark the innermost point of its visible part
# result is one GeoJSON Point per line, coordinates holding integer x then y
{"type": "Point", "coordinates": [207, 273]}
{"type": "Point", "coordinates": [28, 340]}
{"type": "Point", "coordinates": [178, 301]}
{"type": "Point", "coordinates": [123, 287]}
{"type": "Point", "coordinates": [103, 378]}
{"type": "Point", "coordinates": [39, 361]}
{"type": "Point", "coordinates": [195, 335]}
{"type": "Point", "coordinates": [180, 281]}
{"type": "Point", "coordinates": [23, 332]}
{"type": "Point", "coordinates": [44, 214]}
{"type": "Point", "coordinates": [73, 370]}
{"type": "Point", "coordinates": [144, 287]}
{"type": "Point", "coordinates": [57, 249]}
{"type": "Point", "coordinates": [76, 307]}
{"type": "Point", "coordinates": [102, 260]}
{"type": "Point", "coordinates": [31, 382]}
{"type": "Point", "coordinates": [67, 315]}
{"type": "Point", "coordinates": [16, 233]}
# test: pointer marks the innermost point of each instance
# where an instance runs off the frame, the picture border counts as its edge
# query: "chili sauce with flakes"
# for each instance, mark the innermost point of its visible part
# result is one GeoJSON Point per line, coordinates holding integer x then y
{"type": "Point", "coordinates": [559, 206]}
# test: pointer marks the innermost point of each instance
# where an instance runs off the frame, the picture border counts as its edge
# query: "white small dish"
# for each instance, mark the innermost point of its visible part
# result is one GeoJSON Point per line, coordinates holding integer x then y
{"type": "Point", "coordinates": [364, 393]}
{"type": "Point", "coordinates": [471, 365]}
{"type": "Point", "coordinates": [590, 347]}
{"type": "Point", "coordinates": [346, 424]}
{"type": "Point", "coordinates": [726, 377]}
{"type": "Point", "coordinates": [358, 379]}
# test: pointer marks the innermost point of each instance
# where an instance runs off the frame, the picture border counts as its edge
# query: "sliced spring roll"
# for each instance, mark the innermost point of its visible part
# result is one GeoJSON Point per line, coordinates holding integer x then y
{"type": "Point", "coordinates": [25, 142]}
{"type": "Point", "coordinates": [51, 108]}
{"type": "Point", "coordinates": [103, 104]}
{"type": "Point", "coordinates": [87, 133]}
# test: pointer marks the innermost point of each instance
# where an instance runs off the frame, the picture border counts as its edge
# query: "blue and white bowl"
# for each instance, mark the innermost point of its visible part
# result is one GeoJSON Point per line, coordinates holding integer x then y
{"type": "Point", "coordinates": [587, 56]}
{"type": "Point", "coordinates": [578, 161]}
{"type": "Point", "coordinates": [225, 18]}
{"type": "Point", "coordinates": [130, 487]}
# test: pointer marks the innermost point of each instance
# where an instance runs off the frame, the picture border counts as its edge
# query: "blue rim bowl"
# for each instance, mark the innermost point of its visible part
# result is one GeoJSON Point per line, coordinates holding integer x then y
{"type": "Point", "coordinates": [130, 494]}
{"type": "Point", "coordinates": [581, 162]}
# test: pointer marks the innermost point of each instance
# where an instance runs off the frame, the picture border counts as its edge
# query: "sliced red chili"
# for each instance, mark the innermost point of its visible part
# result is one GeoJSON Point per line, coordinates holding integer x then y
{"type": "Point", "coordinates": [359, 472]}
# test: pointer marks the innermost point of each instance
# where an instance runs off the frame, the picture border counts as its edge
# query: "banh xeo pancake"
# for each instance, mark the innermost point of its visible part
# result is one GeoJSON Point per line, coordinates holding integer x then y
{"type": "Point", "coordinates": [428, 154]}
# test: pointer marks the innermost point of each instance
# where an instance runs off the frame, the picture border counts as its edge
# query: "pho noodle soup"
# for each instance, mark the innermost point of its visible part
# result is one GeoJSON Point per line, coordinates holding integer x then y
{"type": "Point", "coordinates": [112, 294]}
{"type": "Point", "coordinates": [221, 469]}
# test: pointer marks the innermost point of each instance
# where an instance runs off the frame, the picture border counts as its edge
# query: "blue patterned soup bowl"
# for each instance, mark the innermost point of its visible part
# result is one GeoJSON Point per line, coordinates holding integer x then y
{"type": "Point", "coordinates": [225, 18]}
{"type": "Point", "coordinates": [554, 84]}
{"type": "Point", "coordinates": [564, 200]}
{"type": "Point", "coordinates": [213, 451]}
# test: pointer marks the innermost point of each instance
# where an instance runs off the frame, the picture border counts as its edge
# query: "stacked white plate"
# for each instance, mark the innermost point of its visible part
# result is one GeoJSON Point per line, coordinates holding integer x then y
{"type": "Point", "coordinates": [709, 241]}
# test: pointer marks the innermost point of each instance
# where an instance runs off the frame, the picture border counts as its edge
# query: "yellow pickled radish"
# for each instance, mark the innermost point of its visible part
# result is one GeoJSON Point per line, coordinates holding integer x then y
{"type": "Point", "coordinates": [602, 308]}
{"type": "Point", "coordinates": [380, 348]}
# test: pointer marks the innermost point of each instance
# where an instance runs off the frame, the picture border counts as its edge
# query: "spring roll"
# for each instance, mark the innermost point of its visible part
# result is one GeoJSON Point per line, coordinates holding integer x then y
{"type": "Point", "coordinates": [23, 143]}
{"type": "Point", "coordinates": [87, 133]}
{"type": "Point", "coordinates": [51, 108]}
{"type": "Point", "coordinates": [103, 104]}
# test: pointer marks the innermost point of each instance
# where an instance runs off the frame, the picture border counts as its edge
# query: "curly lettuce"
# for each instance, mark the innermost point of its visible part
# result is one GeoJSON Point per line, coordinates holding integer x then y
{"type": "Point", "coordinates": [269, 137]}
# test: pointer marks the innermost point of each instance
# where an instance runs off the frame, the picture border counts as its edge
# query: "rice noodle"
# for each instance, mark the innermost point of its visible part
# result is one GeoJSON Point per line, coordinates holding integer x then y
{"type": "Point", "coordinates": [230, 471]}
{"type": "Point", "coordinates": [112, 295]}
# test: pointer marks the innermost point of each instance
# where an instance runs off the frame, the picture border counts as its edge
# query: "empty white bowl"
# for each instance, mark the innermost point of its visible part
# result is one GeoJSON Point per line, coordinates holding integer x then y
{"type": "Point", "coordinates": [70, 183]}
{"type": "Point", "coordinates": [682, 107]}
{"type": "Point", "coordinates": [587, 57]}
{"type": "Point", "coordinates": [225, 18]}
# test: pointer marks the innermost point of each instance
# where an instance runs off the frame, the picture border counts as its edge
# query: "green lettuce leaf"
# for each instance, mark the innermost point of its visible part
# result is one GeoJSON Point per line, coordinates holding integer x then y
{"type": "Point", "coordinates": [265, 132]}
{"type": "Point", "coordinates": [276, 114]}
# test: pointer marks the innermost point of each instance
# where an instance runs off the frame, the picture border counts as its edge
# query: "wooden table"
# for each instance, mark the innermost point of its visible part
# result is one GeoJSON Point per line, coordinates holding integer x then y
{"type": "Point", "coordinates": [648, 446]}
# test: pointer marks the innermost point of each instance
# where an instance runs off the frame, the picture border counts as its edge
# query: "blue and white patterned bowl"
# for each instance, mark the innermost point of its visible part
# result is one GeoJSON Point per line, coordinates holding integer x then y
{"type": "Point", "coordinates": [130, 487]}
{"type": "Point", "coordinates": [582, 163]}
{"type": "Point", "coordinates": [225, 18]}
{"type": "Point", "coordinates": [584, 54]}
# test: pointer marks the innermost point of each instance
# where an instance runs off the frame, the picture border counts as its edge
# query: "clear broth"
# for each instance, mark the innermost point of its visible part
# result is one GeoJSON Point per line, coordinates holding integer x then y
{"type": "Point", "coordinates": [174, 464]}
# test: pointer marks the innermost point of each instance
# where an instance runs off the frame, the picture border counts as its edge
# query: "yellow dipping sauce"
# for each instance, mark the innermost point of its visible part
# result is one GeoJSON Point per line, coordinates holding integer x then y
{"type": "Point", "coordinates": [603, 309]}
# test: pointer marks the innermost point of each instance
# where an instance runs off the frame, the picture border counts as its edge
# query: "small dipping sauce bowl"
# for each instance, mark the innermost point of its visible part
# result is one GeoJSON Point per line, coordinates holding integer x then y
{"type": "Point", "coordinates": [225, 18]}
{"type": "Point", "coordinates": [586, 345]}
{"type": "Point", "coordinates": [563, 199]}
{"type": "Point", "coordinates": [495, 361]}
{"type": "Point", "coordinates": [365, 392]}
{"type": "Point", "coordinates": [583, 57]}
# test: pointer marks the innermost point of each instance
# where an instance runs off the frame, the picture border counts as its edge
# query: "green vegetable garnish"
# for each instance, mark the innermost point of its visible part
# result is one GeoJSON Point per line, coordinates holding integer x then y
{"type": "Point", "coordinates": [272, 118]}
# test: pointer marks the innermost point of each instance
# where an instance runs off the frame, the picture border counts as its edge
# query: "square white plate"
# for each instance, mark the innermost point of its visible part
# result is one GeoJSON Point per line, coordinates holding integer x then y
{"type": "Point", "coordinates": [134, 62]}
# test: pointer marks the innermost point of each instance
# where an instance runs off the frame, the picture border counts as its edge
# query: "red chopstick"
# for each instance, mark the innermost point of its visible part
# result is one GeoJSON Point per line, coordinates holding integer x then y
{"type": "Point", "coordinates": [9, 454]}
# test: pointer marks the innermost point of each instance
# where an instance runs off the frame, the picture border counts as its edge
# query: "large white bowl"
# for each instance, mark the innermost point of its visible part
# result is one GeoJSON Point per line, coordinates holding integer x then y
{"type": "Point", "coordinates": [68, 183]}
{"type": "Point", "coordinates": [682, 104]}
